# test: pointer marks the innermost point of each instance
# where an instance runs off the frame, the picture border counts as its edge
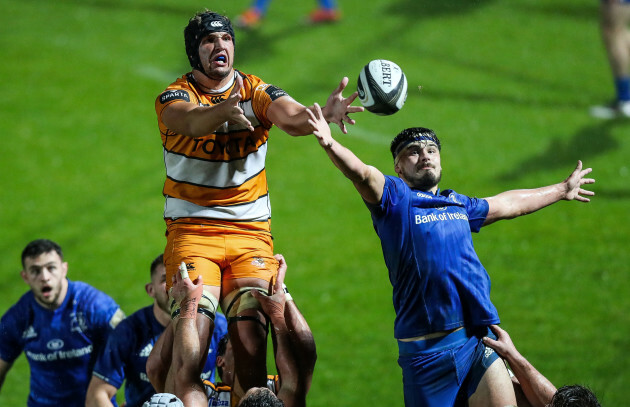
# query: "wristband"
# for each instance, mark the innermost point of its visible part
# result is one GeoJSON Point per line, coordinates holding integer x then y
{"type": "Point", "coordinates": [287, 295]}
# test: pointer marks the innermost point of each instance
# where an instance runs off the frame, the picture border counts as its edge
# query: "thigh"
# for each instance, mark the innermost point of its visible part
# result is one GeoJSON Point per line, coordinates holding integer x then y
{"type": "Point", "coordinates": [495, 388]}
{"type": "Point", "coordinates": [429, 380]}
{"type": "Point", "coordinates": [250, 256]}
{"type": "Point", "coordinates": [202, 253]}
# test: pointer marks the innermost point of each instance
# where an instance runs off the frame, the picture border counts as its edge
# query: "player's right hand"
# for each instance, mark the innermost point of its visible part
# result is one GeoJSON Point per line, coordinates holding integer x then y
{"type": "Point", "coordinates": [230, 108]}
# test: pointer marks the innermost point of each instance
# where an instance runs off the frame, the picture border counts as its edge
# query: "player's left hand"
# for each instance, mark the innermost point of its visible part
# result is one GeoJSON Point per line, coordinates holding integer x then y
{"type": "Point", "coordinates": [337, 107]}
{"type": "Point", "coordinates": [573, 184]}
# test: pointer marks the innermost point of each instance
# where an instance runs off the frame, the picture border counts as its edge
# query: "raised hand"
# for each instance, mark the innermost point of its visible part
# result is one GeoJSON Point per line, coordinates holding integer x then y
{"type": "Point", "coordinates": [337, 107]}
{"type": "Point", "coordinates": [573, 184]}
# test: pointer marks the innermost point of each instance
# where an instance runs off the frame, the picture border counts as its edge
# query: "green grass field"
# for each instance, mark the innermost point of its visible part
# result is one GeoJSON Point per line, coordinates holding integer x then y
{"type": "Point", "coordinates": [506, 86]}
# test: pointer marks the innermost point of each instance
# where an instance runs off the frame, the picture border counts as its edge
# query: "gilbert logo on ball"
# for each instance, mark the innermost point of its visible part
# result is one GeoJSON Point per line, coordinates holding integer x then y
{"type": "Point", "coordinates": [382, 87]}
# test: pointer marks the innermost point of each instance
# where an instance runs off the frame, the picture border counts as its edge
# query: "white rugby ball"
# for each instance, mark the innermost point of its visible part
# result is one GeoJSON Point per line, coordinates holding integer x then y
{"type": "Point", "coordinates": [163, 400]}
{"type": "Point", "coordinates": [382, 87]}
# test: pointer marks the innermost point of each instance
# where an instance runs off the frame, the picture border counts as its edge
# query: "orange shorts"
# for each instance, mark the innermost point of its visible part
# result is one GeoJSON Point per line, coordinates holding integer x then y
{"type": "Point", "coordinates": [218, 252]}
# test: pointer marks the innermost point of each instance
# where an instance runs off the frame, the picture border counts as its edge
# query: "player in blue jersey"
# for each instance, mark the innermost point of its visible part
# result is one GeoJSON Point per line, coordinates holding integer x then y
{"type": "Point", "coordinates": [59, 324]}
{"type": "Point", "coordinates": [441, 292]}
{"type": "Point", "coordinates": [128, 347]}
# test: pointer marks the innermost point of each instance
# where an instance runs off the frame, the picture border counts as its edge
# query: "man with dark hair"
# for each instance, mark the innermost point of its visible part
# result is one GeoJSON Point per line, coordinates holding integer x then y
{"type": "Point", "coordinates": [441, 291]}
{"type": "Point", "coordinates": [59, 324]}
{"type": "Point", "coordinates": [260, 397]}
{"type": "Point", "coordinates": [531, 387]}
{"type": "Point", "coordinates": [125, 356]}
{"type": "Point", "coordinates": [214, 123]}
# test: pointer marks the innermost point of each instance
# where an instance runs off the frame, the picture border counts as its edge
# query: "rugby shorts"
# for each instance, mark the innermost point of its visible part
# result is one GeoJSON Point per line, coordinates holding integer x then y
{"type": "Point", "coordinates": [444, 371]}
{"type": "Point", "coordinates": [218, 252]}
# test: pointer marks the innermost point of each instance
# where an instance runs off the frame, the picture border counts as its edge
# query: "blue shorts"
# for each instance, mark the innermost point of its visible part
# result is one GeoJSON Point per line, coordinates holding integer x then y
{"type": "Point", "coordinates": [444, 371]}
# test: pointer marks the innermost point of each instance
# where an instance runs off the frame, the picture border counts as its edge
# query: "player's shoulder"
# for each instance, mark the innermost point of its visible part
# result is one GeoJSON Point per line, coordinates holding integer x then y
{"type": "Point", "coordinates": [253, 79]}
{"type": "Point", "coordinates": [253, 84]}
{"type": "Point", "coordinates": [143, 317]}
{"type": "Point", "coordinates": [16, 312]}
{"type": "Point", "coordinates": [82, 289]}
{"type": "Point", "coordinates": [86, 298]}
{"type": "Point", "coordinates": [182, 89]}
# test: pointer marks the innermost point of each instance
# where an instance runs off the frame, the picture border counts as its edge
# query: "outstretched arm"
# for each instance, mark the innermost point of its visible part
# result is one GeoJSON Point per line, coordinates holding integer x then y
{"type": "Point", "coordinates": [538, 390]}
{"type": "Point", "coordinates": [192, 120]}
{"type": "Point", "coordinates": [292, 117]}
{"type": "Point", "coordinates": [366, 179]}
{"type": "Point", "coordinates": [518, 202]}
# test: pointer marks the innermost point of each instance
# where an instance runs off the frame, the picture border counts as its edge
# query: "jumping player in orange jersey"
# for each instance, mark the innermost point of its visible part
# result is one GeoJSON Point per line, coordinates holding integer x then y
{"type": "Point", "coordinates": [215, 123]}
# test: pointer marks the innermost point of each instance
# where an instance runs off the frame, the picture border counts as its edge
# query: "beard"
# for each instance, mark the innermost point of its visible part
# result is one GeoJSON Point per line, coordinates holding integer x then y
{"type": "Point", "coordinates": [426, 181]}
{"type": "Point", "coordinates": [217, 75]}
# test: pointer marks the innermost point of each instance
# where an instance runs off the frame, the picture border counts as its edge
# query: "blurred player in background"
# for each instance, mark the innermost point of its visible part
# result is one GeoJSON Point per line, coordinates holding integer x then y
{"type": "Point", "coordinates": [295, 353]}
{"type": "Point", "coordinates": [441, 291]}
{"type": "Point", "coordinates": [614, 24]}
{"type": "Point", "coordinates": [60, 325]}
{"type": "Point", "coordinates": [215, 122]}
{"type": "Point", "coordinates": [125, 356]}
{"type": "Point", "coordinates": [327, 12]}
{"type": "Point", "coordinates": [531, 387]}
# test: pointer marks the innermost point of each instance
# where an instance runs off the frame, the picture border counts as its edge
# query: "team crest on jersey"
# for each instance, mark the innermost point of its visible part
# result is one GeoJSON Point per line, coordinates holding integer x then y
{"type": "Point", "coordinates": [171, 95]}
{"type": "Point", "coordinates": [453, 198]}
{"type": "Point", "coordinates": [77, 322]}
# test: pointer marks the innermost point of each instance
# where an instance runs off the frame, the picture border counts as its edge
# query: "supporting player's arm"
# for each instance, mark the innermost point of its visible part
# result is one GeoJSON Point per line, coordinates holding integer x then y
{"type": "Point", "coordinates": [192, 120]}
{"type": "Point", "coordinates": [186, 347]}
{"type": "Point", "coordinates": [99, 393]}
{"type": "Point", "coordinates": [518, 202]}
{"type": "Point", "coordinates": [292, 117]}
{"type": "Point", "coordinates": [302, 336]}
{"type": "Point", "coordinates": [368, 181]}
{"type": "Point", "coordinates": [293, 388]}
{"type": "Point", "coordinates": [537, 388]}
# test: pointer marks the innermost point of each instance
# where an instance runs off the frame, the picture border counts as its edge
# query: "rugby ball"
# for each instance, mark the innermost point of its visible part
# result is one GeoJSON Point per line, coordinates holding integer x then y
{"type": "Point", "coordinates": [382, 87]}
{"type": "Point", "coordinates": [163, 400]}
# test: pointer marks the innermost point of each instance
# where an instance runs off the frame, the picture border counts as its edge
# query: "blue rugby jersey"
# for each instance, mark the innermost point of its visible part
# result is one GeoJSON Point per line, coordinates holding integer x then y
{"type": "Point", "coordinates": [128, 347]}
{"type": "Point", "coordinates": [438, 281]}
{"type": "Point", "coordinates": [60, 345]}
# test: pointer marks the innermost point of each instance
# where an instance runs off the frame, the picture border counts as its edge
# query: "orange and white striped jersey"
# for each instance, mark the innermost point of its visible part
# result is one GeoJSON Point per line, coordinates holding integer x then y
{"type": "Point", "coordinates": [220, 176]}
